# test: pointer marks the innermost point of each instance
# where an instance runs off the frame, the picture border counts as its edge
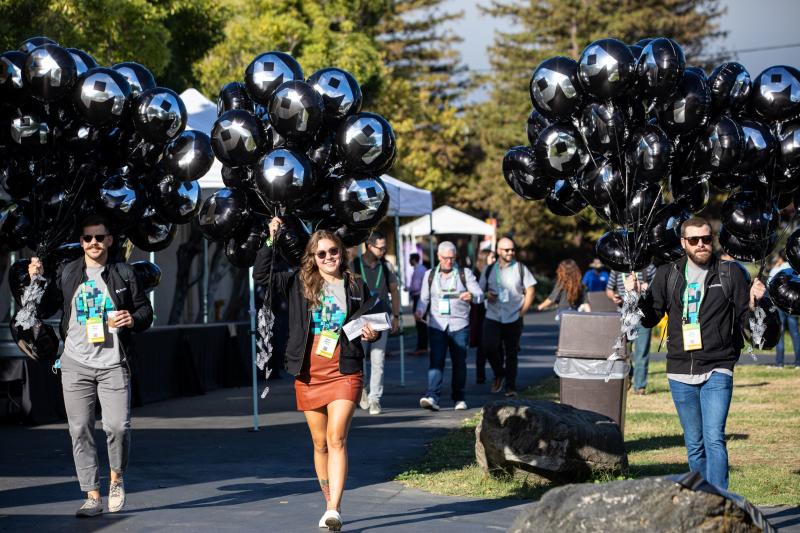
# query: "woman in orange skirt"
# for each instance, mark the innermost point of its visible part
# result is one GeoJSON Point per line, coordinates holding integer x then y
{"type": "Point", "coordinates": [323, 295]}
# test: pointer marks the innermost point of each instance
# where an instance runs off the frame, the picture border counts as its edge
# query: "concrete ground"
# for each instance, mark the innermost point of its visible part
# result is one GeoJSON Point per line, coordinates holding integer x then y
{"type": "Point", "coordinates": [196, 464]}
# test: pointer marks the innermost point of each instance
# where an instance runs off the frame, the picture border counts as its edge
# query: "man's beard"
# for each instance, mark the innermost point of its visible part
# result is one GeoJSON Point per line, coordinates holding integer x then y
{"type": "Point", "coordinates": [701, 260]}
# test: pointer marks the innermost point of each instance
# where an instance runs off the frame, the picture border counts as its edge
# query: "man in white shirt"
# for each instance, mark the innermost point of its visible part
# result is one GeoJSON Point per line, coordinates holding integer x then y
{"type": "Point", "coordinates": [509, 289]}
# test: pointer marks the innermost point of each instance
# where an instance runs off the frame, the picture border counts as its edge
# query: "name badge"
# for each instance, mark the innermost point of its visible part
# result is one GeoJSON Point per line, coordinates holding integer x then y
{"type": "Point", "coordinates": [94, 330]}
{"type": "Point", "coordinates": [503, 295]}
{"type": "Point", "coordinates": [692, 340]}
{"type": "Point", "coordinates": [327, 343]}
{"type": "Point", "coordinates": [444, 306]}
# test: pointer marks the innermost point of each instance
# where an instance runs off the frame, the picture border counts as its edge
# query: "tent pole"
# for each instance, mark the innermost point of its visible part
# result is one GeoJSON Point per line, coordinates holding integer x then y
{"type": "Point", "coordinates": [400, 284]}
{"type": "Point", "coordinates": [153, 292]}
{"type": "Point", "coordinates": [253, 349]}
{"type": "Point", "coordinates": [205, 281]}
{"type": "Point", "coordinates": [12, 305]}
{"type": "Point", "coordinates": [430, 242]}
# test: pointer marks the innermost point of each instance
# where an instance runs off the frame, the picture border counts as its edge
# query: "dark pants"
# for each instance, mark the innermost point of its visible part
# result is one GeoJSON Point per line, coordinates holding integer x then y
{"type": "Point", "coordinates": [442, 342]}
{"type": "Point", "coordinates": [501, 346]}
{"type": "Point", "coordinates": [422, 327]}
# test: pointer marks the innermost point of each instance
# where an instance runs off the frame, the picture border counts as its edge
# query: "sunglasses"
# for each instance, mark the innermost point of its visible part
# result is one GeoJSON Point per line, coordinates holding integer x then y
{"type": "Point", "coordinates": [506, 250]}
{"type": "Point", "coordinates": [694, 240]}
{"type": "Point", "coordinates": [333, 252]}
{"type": "Point", "coordinates": [100, 237]}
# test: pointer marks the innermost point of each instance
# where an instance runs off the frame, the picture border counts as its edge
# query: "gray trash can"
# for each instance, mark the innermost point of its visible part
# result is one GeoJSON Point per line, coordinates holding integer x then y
{"type": "Point", "coordinates": [588, 380]}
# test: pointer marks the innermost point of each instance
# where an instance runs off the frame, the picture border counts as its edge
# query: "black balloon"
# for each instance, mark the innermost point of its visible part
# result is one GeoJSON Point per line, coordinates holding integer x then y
{"type": "Point", "coordinates": [726, 181]}
{"type": "Point", "coordinates": [234, 96]}
{"type": "Point", "coordinates": [18, 280]}
{"type": "Point", "coordinates": [101, 96]}
{"type": "Point", "coordinates": [29, 45]}
{"type": "Point", "coordinates": [746, 249]}
{"type": "Point", "coordinates": [239, 177]}
{"type": "Point", "coordinates": [523, 175]}
{"type": "Point", "coordinates": [730, 85]}
{"type": "Point", "coordinates": [238, 138]}
{"type": "Point", "coordinates": [223, 213]}
{"type": "Point", "coordinates": [15, 180]}
{"type": "Point", "coordinates": [793, 249]}
{"type": "Point", "coordinates": [603, 127]}
{"type": "Point", "coordinates": [554, 87]}
{"type": "Point", "coordinates": [148, 274]}
{"type": "Point", "coordinates": [242, 247]}
{"type": "Point", "coordinates": [291, 239]}
{"type": "Point", "coordinates": [749, 216]}
{"type": "Point", "coordinates": [50, 72]}
{"type": "Point", "coordinates": [159, 115]}
{"type": "Point", "coordinates": [189, 156]}
{"type": "Point", "coordinates": [759, 146]}
{"type": "Point", "coordinates": [31, 131]}
{"type": "Point", "coordinates": [648, 154]}
{"type": "Point", "coordinates": [784, 291]}
{"type": "Point", "coordinates": [267, 71]}
{"type": "Point", "coordinates": [296, 111]}
{"type": "Point", "coordinates": [322, 153]}
{"type": "Point", "coordinates": [122, 199]}
{"type": "Point", "coordinates": [139, 78]}
{"type": "Point", "coordinates": [623, 251]}
{"type": "Point", "coordinates": [691, 193]}
{"type": "Point", "coordinates": [601, 183]}
{"type": "Point", "coordinates": [353, 236]}
{"type": "Point", "coordinates": [12, 84]}
{"type": "Point", "coordinates": [606, 68]}
{"type": "Point", "coordinates": [152, 233]}
{"type": "Point", "coordinates": [536, 124]}
{"type": "Point", "coordinates": [83, 61]}
{"type": "Point", "coordinates": [721, 147]}
{"type": "Point", "coordinates": [664, 236]}
{"type": "Point", "coordinates": [638, 207]}
{"type": "Point", "coordinates": [366, 143]}
{"type": "Point", "coordinates": [689, 107]}
{"type": "Point", "coordinates": [340, 93]}
{"type": "Point", "coordinates": [564, 200]}
{"type": "Point", "coordinates": [660, 67]}
{"type": "Point", "coordinates": [560, 151]}
{"type": "Point", "coordinates": [175, 200]}
{"type": "Point", "coordinates": [776, 93]}
{"type": "Point", "coordinates": [39, 342]}
{"type": "Point", "coordinates": [360, 202]}
{"type": "Point", "coordinates": [789, 155]}
{"type": "Point", "coordinates": [16, 229]}
{"type": "Point", "coordinates": [285, 177]}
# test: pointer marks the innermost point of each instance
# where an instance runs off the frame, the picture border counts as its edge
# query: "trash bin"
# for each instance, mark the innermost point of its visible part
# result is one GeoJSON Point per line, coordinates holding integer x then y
{"type": "Point", "coordinates": [588, 380]}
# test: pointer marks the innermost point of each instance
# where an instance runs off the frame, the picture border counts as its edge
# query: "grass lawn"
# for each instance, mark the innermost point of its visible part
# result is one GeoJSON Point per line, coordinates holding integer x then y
{"type": "Point", "coordinates": [763, 433]}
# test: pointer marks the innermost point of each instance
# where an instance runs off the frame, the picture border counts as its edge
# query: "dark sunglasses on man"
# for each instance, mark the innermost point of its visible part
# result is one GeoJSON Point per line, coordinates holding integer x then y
{"type": "Point", "coordinates": [694, 240]}
{"type": "Point", "coordinates": [100, 237]}
{"type": "Point", "coordinates": [322, 254]}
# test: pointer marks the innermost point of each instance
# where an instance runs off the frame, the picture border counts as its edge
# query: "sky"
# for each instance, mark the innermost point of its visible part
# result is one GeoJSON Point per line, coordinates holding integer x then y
{"type": "Point", "coordinates": [750, 24]}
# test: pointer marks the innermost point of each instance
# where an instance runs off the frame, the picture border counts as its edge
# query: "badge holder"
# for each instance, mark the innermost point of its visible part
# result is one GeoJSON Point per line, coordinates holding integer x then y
{"type": "Point", "coordinates": [327, 343]}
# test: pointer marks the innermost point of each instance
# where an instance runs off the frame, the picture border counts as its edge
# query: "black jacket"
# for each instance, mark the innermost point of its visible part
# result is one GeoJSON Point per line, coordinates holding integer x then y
{"type": "Point", "coordinates": [123, 289]}
{"type": "Point", "coordinates": [288, 285]}
{"type": "Point", "coordinates": [721, 317]}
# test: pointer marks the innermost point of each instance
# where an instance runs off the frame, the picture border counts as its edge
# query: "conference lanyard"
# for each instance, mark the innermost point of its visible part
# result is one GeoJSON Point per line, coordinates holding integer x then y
{"type": "Point", "coordinates": [103, 297]}
{"type": "Point", "coordinates": [377, 279]}
{"type": "Point", "coordinates": [687, 316]}
{"type": "Point", "coordinates": [497, 272]}
{"type": "Point", "coordinates": [437, 277]}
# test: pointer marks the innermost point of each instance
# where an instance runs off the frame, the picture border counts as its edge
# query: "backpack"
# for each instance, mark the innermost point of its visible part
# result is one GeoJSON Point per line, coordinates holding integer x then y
{"type": "Point", "coordinates": [461, 275]}
{"type": "Point", "coordinates": [489, 271]}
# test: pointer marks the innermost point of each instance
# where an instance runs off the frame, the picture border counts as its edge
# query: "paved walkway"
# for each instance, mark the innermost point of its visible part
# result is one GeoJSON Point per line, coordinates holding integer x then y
{"type": "Point", "coordinates": [196, 466]}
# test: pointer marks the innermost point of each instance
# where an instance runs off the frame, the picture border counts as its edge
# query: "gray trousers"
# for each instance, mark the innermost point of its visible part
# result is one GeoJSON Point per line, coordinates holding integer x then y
{"type": "Point", "coordinates": [377, 354]}
{"type": "Point", "coordinates": [82, 387]}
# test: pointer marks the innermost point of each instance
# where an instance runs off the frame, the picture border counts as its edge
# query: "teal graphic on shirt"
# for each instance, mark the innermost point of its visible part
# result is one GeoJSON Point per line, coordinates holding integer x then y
{"type": "Point", "coordinates": [694, 296]}
{"type": "Point", "coordinates": [91, 302]}
{"type": "Point", "coordinates": [328, 316]}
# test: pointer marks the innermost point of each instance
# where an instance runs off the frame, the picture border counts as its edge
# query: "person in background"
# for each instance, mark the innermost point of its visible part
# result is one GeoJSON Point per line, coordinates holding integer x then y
{"type": "Point", "coordinates": [568, 292]}
{"type": "Point", "coordinates": [446, 295]}
{"type": "Point", "coordinates": [788, 322]}
{"type": "Point", "coordinates": [477, 314]}
{"type": "Point", "coordinates": [414, 289]}
{"type": "Point", "coordinates": [509, 289]}
{"type": "Point", "coordinates": [596, 278]}
{"type": "Point", "coordinates": [379, 276]}
{"type": "Point", "coordinates": [615, 290]}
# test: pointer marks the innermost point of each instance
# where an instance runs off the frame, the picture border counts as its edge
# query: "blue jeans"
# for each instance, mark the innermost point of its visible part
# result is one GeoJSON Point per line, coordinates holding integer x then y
{"type": "Point", "coordinates": [788, 322]}
{"type": "Point", "coordinates": [703, 410]}
{"type": "Point", "coordinates": [440, 343]}
{"type": "Point", "coordinates": [641, 358]}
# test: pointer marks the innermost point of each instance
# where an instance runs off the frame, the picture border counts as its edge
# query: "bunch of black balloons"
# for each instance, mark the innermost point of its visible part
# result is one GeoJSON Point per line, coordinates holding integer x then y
{"type": "Point", "coordinates": [637, 135]}
{"type": "Point", "coordinates": [297, 148]}
{"type": "Point", "coordinates": [76, 139]}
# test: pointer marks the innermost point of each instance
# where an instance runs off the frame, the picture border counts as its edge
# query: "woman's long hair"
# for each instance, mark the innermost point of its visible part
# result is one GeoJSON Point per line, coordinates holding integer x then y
{"type": "Point", "coordinates": [309, 273]}
{"type": "Point", "coordinates": [569, 276]}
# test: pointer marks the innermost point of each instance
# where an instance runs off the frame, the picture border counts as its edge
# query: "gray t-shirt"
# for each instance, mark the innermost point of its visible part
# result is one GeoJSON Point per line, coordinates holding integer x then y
{"type": "Point", "coordinates": [559, 297]}
{"type": "Point", "coordinates": [91, 301]}
{"type": "Point", "coordinates": [334, 300]}
{"type": "Point", "coordinates": [506, 283]}
{"type": "Point", "coordinates": [378, 282]}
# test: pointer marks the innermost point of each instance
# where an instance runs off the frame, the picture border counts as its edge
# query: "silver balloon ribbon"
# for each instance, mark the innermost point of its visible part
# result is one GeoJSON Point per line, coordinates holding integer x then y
{"type": "Point", "coordinates": [265, 323]}
{"type": "Point", "coordinates": [26, 316]}
{"type": "Point", "coordinates": [757, 329]}
{"type": "Point", "coordinates": [629, 326]}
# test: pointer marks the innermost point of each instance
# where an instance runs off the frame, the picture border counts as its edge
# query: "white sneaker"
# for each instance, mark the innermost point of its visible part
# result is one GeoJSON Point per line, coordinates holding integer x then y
{"type": "Point", "coordinates": [375, 407]}
{"type": "Point", "coordinates": [332, 520]}
{"type": "Point", "coordinates": [364, 401]}
{"type": "Point", "coordinates": [461, 406]}
{"type": "Point", "coordinates": [116, 497]}
{"type": "Point", "coordinates": [428, 403]}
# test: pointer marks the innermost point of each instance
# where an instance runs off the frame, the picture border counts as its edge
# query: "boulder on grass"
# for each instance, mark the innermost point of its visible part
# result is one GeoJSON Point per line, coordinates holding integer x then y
{"type": "Point", "coordinates": [540, 438]}
{"type": "Point", "coordinates": [653, 504]}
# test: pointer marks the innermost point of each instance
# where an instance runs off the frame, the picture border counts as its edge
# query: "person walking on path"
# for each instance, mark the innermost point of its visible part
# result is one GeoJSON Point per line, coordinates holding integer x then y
{"type": "Point", "coordinates": [446, 295]}
{"type": "Point", "coordinates": [788, 322]}
{"type": "Point", "coordinates": [377, 273]}
{"type": "Point", "coordinates": [595, 279]}
{"type": "Point", "coordinates": [615, 290]}
{"type": "Point", "coordinates": [103, 303]}
{"type": "Point", "coordinates": [324, 295]}
{"type": "Point", "coordinates": [707, 302]}
{"type": "Point", "coordinates": [568, 292]}
{"type": "Point", "coordinates": [414, 290]}
{"type": "Point", "coordinates": [509, 289]}
{"type": "Point", "coordinates": [477, 314]}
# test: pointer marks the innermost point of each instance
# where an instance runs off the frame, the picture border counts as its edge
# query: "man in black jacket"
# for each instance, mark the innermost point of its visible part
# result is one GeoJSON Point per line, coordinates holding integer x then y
{"type": "Point", "coordinates": [103, 304]}
{"type": "Point", "coordinates": [707, 302]}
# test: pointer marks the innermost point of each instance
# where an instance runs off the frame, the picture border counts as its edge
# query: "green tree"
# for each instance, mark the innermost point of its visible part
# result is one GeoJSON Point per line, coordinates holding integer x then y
{"type": "Point", "coordinates": [543, 29]}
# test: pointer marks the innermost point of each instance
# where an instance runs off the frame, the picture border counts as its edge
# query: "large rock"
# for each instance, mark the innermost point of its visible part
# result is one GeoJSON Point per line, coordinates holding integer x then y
{"type": "Point", "coordinates": [551, 440]}
{"type": "Point", "coordinates": [649, 504]}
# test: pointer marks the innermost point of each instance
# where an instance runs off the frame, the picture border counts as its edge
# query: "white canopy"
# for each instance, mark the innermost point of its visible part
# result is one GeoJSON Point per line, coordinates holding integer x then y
{"type": "Point", "coordinates": [447, 220]}
{"type": "Point", "coordinates": [406, 200]}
